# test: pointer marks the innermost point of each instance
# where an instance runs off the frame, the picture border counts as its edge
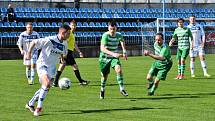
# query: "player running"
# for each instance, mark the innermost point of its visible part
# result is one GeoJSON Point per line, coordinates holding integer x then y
{"type": "Point", "coordinates": [162, 64]}
{"type": "Point", "coordinates": [23, 43]}
{"type": "Point", "coordinates": [184, 37]}
{"type": "Point", "coordinates": [198, 46]}
{"type": "Point", "coordinates": [52, 49]}
{"type": "Point", "coordinates": [109, 57]}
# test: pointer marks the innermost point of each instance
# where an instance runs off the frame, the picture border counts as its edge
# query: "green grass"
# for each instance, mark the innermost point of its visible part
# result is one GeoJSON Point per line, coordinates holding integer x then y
{"type": "Point", "coordinates": [176, 100]}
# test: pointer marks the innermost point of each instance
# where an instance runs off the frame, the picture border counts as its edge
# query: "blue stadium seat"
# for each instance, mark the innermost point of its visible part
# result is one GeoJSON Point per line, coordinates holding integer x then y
{"type": "Point", "coordinates": [85, 24]}
{"type": "Point", "coordinates": [5, 34]}
{"type": "Point", "coordinates": [40, 24]}
{"type": "Point", "coordinates": [34, 24]}
{"type": "Point", "coordinates": [79, 15]}
{"type": "Point", "coordinates": [128, 24]}
{"type": "Point", "coordinates": [6, 24]}
{"type": "Point", "coordinates": [104, 24]}
{"type": "Point", "coordinates": [91, 24]}
{"type": "Point", "coordinates": [61, 15]}
{"type": "Point", "coordinates": [54, 24]}
{"type": "Point", "coordinates": [20, 15]}
{"type": "Point", "coordinates": [1, 24]}
{"type": "Point", "coordinates": [98, 24]}
{"type": "Point", "coordinates": [62, 10]}
{"type": "Point", "coordinates": [134, 24]}
{"type": "Point", "coordinates": [122, 24]}
{"type": "Point", "coordinates": [47, 24]}
{"type": "Point", "coordinates": [21, 24]}
{"type": "Point", "coordinates": [78, 34]}
{"type": "Point", "coordinates": [38, 10]}
{"type": "Point", "coordinates": [47, 15]}
{"type": "Point", "coordinates": [55, 10]}
{"type": "Point", "coordinates": [96, 15]}
{"type": "Point", "coordinates": [73, 15]}
{"type": "Point", "coordinates": [67, 23]}
{"type": "Point", "coordinates": [13, 34]}
{"type": "Point", "coordinates": [79, 24]}
{"type": "Point", "coordinates": [41, 15]}
{"type": "Point", "coordinates": [139, 24]}
{"type": "Point", "coordinates": [60, 24]}
{"type": "Point", "coordinates": [3, 10]}
{"type": "Point", "coordinates": [13, 24]}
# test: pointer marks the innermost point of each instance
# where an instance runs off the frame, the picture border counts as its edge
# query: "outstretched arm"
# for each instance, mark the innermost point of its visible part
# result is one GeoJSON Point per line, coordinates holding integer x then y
{"type": "Point", "coordinates": [156, 57]}
{"type": "Point", "coordinates": [171, 42]}
{"type": "Point", "coordinates": [105, 50]}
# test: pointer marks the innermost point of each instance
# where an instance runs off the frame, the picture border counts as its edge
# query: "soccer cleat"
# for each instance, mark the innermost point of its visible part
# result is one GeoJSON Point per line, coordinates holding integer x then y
{"type": "Point", "coordinates": [30, 108]}
{"type": "Point", "coordinates": [38, 112]}
{"type": "Point", "coordinates": [178, 76]}
{"type": "Point", "coordinates": [150, 85]}
{"type": "Point", "coordinates": [150, 93]}
{"type": "Point", "coordinates": [181, 76]}
{"type": "Point", "coordinates": [102, 95]}
{"type": "Point", "coordinates": [84, 83]}
{"type": "Point", "coordinates": [30, 82]}
{"type": "Point", "coordinates": [124, 93]}
{"type": "Point", "coordinates": [207, 75]}
{"type": "Point", "coordinates": [54, 85]}
{"type": "Point", "coordinates": [193, 76]}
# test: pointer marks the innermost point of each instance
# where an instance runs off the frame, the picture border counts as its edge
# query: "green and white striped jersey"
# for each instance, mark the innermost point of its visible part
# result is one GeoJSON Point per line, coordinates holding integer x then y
{"type": "Point", "coordinates": [183, 36]}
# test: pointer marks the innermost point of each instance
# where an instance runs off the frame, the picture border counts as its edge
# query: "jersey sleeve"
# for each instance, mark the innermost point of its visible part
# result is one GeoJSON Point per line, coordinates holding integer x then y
{"type": "Point", "coordinates": [202, 31]}
{"type": "Point", "coordinates": [174, 35]}
{"type": "Point", "coordinates": [104, 39]}
{"type": "Point", "coordinates": [165, 52]}
{"type": "Point", "coordinates": [121, 38]}
{"type": "Point", "coordinates": [39, 43]}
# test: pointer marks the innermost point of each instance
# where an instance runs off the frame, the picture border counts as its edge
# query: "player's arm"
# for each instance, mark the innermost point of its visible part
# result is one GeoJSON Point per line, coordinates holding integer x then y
{"type": "Point", "coordinates": [124, 50]}
{"type": "Point", "coordinates": [190, 38]}
{"type": "Point", "coordinates": [203, 37]}
{"type": "Point", "coordinates": [78, 50]}
{"type": "Point", "coordinates": [173, 39]}
{"type": "Point", "coordinates": [156, 57]}
{"type": "Point", "coordinates": [32, 45]}
{"type": "Point", "coordinates": [19, 43]}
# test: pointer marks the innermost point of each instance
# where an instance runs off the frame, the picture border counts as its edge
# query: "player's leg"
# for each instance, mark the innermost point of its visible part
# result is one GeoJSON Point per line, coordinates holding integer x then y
{"type": "Point", "coordinates": [105, 70]}
{"type": "Point", "coordinates": [58, 74]}
{"type": "Point", "coordinates": [150, 75]}
{"type": "Point", "coordinates": [27, 63]}
{"type": "Point", "coordinates": [78, 75]}
{"type": "Point", "coordinates": [184, 55]}
{"type": "Point", "coordinates": [46, 82]}
{"type": "Point", "coordinates": [203, 63]}
{"type": "Point", "coordinates": [193, 54]}
{"type": "Point", "coordinates": [178, 57]}
{"type": "Point", "coordinates": [117, 67]}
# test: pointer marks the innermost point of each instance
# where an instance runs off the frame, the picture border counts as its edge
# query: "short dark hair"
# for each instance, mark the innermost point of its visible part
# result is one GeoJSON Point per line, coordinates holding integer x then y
{"type": "Point", "coordinates": [159, 34]}
{"type": "Point", "coordinates": [65, 26]}
{"type": "Point", "coordinates": [112, 23]}
{"type": "Point", "coordinates": [193, 16]}
{"type": "Point", "coordinates": [73, 22]}
{"type": "Point", "coordinates": [29, 23]}
{"type": "Point", "coordinates": [180, 19]}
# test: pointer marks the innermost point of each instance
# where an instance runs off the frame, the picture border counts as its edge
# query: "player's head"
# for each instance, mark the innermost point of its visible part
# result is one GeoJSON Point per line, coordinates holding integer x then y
{"type": "Point", "coordinates": [159, 38]}
{"type": "Point", "coordinates": [180, 22]}
{"type": "Point", "coordinates": [73, 25]}
{"type": "Point", "coordinates": [9, 5]}
{"type": "Point", "coordinates": [29, 28]}
{"type": "Point", "coordinates": [64, 32]}
{"type": "Point", "coordinates": [192, 19]}
{"type": "Point", "coordinates": [112, 28]}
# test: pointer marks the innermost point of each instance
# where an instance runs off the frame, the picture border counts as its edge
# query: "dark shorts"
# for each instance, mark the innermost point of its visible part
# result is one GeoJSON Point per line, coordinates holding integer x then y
{"type": "Point", "coordinates": [70, 60]}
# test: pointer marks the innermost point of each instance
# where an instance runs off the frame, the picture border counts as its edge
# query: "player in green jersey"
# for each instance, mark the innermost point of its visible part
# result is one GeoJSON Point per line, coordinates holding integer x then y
{"type": "Point", "coordinates": [162, 64]}
{"type": "Point", "coordinates": [184, 37]}
{"type": "Point", "coordinates": [109, 57]}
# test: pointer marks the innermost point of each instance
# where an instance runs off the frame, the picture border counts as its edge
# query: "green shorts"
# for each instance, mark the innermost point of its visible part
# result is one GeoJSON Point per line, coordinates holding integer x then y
{"type": "Point", "coordinates": [182, 53]}
{"type": "Point", "coordinates": [105, 64]}
{"type": "Point", "coordinates": [159, 72]}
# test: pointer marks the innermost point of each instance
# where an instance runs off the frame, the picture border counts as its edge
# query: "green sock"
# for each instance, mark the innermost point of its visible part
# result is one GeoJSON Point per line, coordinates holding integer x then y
{"type": "Point", "coordinates": [154, 87]}
{"type": "Point", "coordinates": [119, 79]}
{"type": "Point", "coordinates": [182, 68]}
{"type": "Point", "coordinates": [179, 69]}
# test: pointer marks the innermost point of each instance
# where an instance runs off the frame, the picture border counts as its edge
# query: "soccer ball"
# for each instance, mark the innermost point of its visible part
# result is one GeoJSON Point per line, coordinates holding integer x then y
{"type": "Point", "coordinates": [64, 83]}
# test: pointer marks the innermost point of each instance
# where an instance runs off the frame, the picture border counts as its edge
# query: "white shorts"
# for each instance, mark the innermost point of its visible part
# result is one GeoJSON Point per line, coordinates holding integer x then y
{"type": "Point", "coordinates": [43, 69]}
{"type": "Point", "coordinates": [33, 59]}
{"type": "Point", "coordinates": [197, 51]}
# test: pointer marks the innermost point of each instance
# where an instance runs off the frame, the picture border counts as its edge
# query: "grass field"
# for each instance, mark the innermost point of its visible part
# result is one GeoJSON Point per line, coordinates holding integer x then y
{"type": "Point", "coordinates": [176, 100]}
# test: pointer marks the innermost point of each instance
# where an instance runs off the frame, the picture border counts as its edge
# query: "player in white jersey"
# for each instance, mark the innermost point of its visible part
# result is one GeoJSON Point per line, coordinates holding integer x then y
{"type": "Point", "coordinates": [23, 43]}
{"type": "Point", "coordinates": [198, 46]}
{"type": "Point", "coordinates": [52, 50]}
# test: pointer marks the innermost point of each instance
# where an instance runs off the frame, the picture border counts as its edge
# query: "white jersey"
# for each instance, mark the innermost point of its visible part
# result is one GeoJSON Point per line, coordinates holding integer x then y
{"type": "Point", "coordinates": [51, 50]}
{"type": "Point", "coordinates": [198, 34]}
{"type": "Point", "coordinates": [25, 40]}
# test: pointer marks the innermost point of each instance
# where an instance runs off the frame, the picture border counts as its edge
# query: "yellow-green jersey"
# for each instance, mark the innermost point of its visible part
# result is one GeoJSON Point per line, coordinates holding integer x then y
{"type": "Point", "coordinates": [111, 43]}
{"type": "Point", "coordinates": [183, 36]}
{"type": "Point", "coordinates": [71, 41]}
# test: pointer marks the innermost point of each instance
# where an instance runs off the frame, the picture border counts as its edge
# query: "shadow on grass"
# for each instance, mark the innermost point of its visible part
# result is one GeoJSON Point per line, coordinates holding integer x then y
{"type": "Point", "coordinates": [130, 84]}
{"type": "Point", "coordinates": [106, 110]}
{"type": "Point", "coordinates": [195, 94]}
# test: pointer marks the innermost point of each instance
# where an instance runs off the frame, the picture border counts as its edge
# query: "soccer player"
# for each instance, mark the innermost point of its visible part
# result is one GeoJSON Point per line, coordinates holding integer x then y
{"type": "Point", "coordinates": [198, 46]}
{"type": "Point", "coordinates": [162, 64]}
{"type": "Point", "coordinates": [109, 57]}
{"type": "Point", "coordinates": [70, 59]}
{"type": "Point", "coordinates": [23, 43]}
{"type": "Point", "coordinates": [184, 37]}
{"type": "Point", "coordinates": [52, 49]}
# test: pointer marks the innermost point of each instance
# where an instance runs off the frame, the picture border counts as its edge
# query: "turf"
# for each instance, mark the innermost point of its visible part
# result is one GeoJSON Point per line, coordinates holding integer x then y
{"type": "Point", "coordinates": [176, 100]}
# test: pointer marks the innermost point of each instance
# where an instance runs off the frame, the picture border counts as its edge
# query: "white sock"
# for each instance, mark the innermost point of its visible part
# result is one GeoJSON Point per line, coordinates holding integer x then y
{"type": "Point", "coordinates": [192, 67]}
{"type": "Point", "coordinates": [121, 88]}
{"type": "Point", "coordinates": [102, 88]}
{"type": "Point", "coordinates": [42, 95]}
{"type": "Point", "coordinates": [204, 67]}
{"type": "Point", "coordinates": [33, 70]}
{"type": "Point", "coordinates": [28, 73]}
{"type": "Point", "coordinates": [34, 98]}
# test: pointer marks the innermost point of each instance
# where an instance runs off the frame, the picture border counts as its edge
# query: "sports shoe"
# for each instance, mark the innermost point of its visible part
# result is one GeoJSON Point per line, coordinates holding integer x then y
{"type": "Point", "coordinates": [30, 108]}
{"type": "Point", "coordinates": [150, 93]}
{"type": "Point", "coordinates": [181, 76]}
{"type": "Point", "coordinates": [38, 112]}
{"type": "Point", "coordinates": [54, 85]}
{"type": "Point", "coordinates": [193, 76]}
{"type": "Point", "coordinates": [178, 76]}
{"type": "Point", "coordinates": [150, 85]}
{"type": "Point", "coordinates": [30, 82]}
{"type": "Point", "coordinates": [124, 93]}
{"type": "Point", "coordinates": [102, 95]}
{"type": "Point", "coordinates": [84, 83]}
{"type": "Point", "coordinates": [207, 75]}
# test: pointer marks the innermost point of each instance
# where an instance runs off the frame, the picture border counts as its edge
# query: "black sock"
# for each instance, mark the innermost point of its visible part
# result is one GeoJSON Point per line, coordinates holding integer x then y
{"type": "Point", "coordinates": [78, 76]}
{"type": "Point", "coordinates": [57, 77]}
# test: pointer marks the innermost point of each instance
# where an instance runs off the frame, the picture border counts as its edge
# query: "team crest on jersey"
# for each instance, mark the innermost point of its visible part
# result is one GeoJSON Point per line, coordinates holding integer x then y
{"type": "Point", "coordinates": [57, 45]}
